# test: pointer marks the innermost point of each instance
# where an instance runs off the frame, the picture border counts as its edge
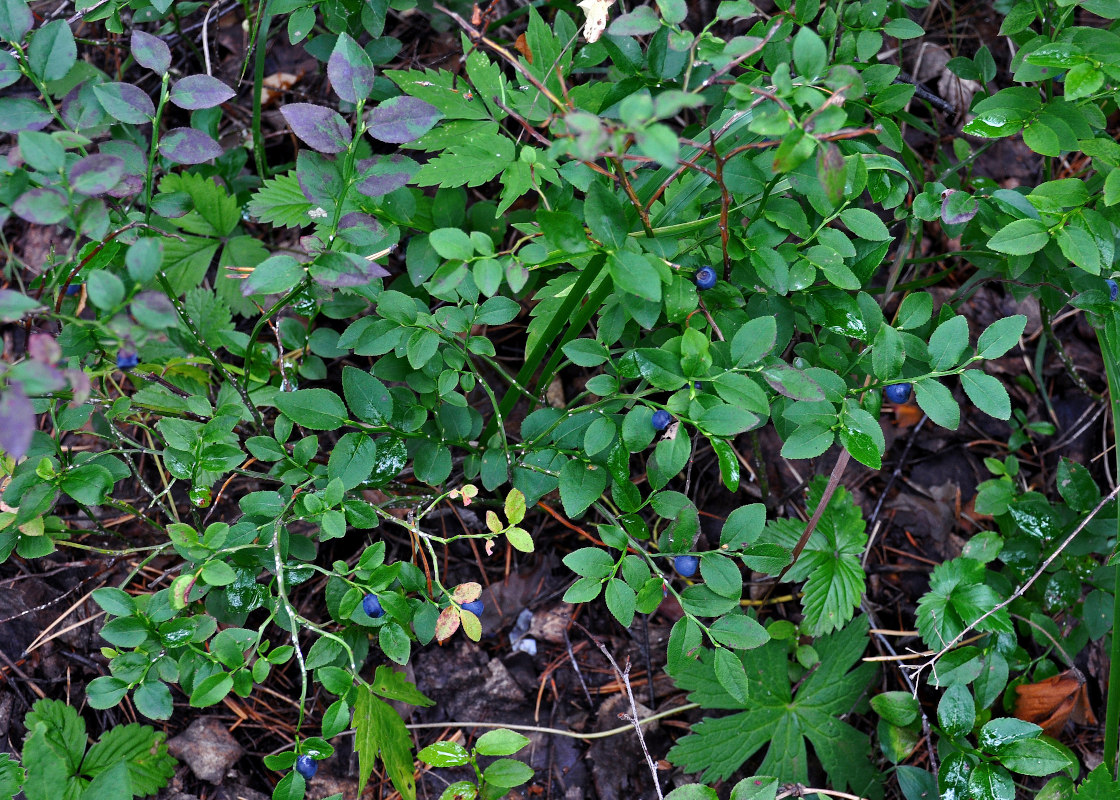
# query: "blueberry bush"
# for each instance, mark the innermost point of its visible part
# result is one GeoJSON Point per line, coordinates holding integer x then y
{"type": "Point", "coordinates": [595, 259]}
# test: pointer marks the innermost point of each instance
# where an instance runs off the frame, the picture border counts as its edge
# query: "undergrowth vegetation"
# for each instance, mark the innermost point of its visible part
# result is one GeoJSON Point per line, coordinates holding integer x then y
{"type": "Point", "coordinates": [267, 337]}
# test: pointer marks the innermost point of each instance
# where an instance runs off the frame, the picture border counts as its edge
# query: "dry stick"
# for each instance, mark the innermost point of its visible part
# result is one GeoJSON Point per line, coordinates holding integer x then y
{"type": "Point", "coordinates": [829, 490]}
{"type": "Point", "coordinates": [1022, 589]}
{"type": "Point", "coordinates": [624, 678]}
{"type": "Point", "coordinates": [800, 790]}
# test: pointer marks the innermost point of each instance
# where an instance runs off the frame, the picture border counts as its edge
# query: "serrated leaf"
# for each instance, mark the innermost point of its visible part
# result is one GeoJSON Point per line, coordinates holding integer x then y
{"type": "Point", "coordinates": [379, 729]}
{"type": "Point", "coordinates": [280, 201]}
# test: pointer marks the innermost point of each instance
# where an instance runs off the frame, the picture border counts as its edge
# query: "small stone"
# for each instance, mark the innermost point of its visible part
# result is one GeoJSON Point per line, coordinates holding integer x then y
{"type": "Point", "coordinates": [208, 749]}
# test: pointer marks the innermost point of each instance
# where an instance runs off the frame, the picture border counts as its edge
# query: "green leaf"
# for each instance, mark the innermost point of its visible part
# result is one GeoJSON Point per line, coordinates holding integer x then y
{"type": "Point", "coordinates": [958, 596]}
{"type": "Point", "coordinates": [142, 748]}
{"type": "Point", "coordinates": [452, 243]}
{"type": "Point", "coordinates": [1001, 336]}
{"type": "Point", "coordinates": [212, 690]}
{"type": "Point", "coordinates": [755, 788]}
{"type": "Point", "coordinates": [754, 340]}
{"type": "Point", "coordinates": [897, 708]}
{"type": "Point", "coordinates": [581, 484]}
{"type": "Point", "coordinates": [991, 782]}
{"type": "Point", "coordinates": [52, 51]}
{"type": "Point", "coordinates": [987, 393]}
{"type": "Point", "coordinates": [15, 20]}
{"type": "Point", "coordinates": [938, 402]}
{"type": "Point", "coordinates": [444, 754]}
{"type": "Point", "coordinates": [500, 742]}
{"type": "Point", "coordinates": [903, 28]}
{"type": "Point", "coordinates": [776, 719]}
{"type": "Point", "coordinates": [350, 70]}
{"type": "Point", "coordinates": [830, 560]}
{"type": "Point", "coordinates": [377, 727]}
{"type": "Point", "coordinates": [956, 712]}
{"type": "Point", "coordinates": [739, 632]}
{"type": "Point", "coordinates": [621, 601]}
{"type": "Point", "coordinates": [1021, 237]}
{"type": "Point", "coordinates": [506, 773]}
{"type": "Point", "coordinates": [1033, 757]}
{"type": "Point", "coordinates": [947, 344]}
{"type": "Point", "coordinates": [731, 675]}
{"type": "Point", "coordinates": [809, 53]}
{"type": "Point", "coordinates": [865, 224]}
{"type": "Point", "coordinates": [317, 409]}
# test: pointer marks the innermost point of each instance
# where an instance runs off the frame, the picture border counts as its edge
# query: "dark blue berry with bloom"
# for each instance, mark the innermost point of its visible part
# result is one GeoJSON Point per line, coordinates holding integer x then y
{"type": "Point", "coordinates": [74, 288]}
{"type": "Point", "coordinates": [897, 393]}
{"type": "Point", "coordinates": [372, 606]}
{"type": "Point", "coordinates": [307, 767]}
{"type": "Point", "coordinates": [475, 607]}
{"type": "Point", "coordinates": [686, 566]}
{"type": "Point", "coordinates": [1113, 290]}
{"type": "Point", "coordinates": [126, 359]}
{"type": "Point", "coordinates": [706, 278]}
{"type": "Point", "coordinates": [661, 419]}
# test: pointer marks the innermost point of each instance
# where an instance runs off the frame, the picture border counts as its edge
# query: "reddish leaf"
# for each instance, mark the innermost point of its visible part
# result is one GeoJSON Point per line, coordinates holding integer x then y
{"type": "Point", "coordinates": [447, 623]}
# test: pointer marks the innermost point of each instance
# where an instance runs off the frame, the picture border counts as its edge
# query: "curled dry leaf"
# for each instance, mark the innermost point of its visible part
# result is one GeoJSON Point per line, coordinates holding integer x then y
{"type": "Point", "coordinates": [596, 11]}
{"type": "Point", "coordinates": [1051, 703]}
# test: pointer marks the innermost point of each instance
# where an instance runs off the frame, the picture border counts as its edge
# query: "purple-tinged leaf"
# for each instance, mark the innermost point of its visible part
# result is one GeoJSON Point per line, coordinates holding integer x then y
{"type": "Point", "coordinates": [9, 70]}
{"type": "Point", "coordinates": [125, 102]}
{"type": "Point", "coordinates": [318, 127]}
{"type": "Point", "coordinates": [831, 172]}
{"type": "Point", "coordinates": [379, 176]}
{"type": "Point", "coordinates": [151, 52]}
{"type": "Point", "coordinates": [199, 91]}
{"type": "Point", "coordinates": [81, 109]}
{"type": "Point", "coordinates": [153, 310]}
{"type": "Point", "coordinates": [43, 206]}
{"type": "Point", "coordinates": [319, 178]}
{"type": "Point", "coordinates": [96, 174]}
{"type": "Point", "coordinates": [350, 71]}
{"type": "Point", "coordinates": [15, 20]}
{"type": "Point", "coordinates": [360, 229]}
{"type": "Point", "coordinates": [13, 305]}
{"type": "Point", "coordinates": [43, 348]}
{"type": "Point", "coordinates": [188, 146]}
{"type": "Point", "coordinates": [957, 207]}
{"type": "Point", "coordinates": [132, 182]}
{"type": "Point", "coordinates": [17, 418]}
{"type": "Point", "coordinates": [22, 114]}
{"type": "Point", "coordinates": [79, 384]}
{"type": "Point", "coordinates": [342, 270]}
{"type": "Point", "coordinates": [402, 119]}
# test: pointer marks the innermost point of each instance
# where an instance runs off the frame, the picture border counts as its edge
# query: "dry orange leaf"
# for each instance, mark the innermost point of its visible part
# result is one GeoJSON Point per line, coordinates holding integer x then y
{"type": "Point", "coordinates": [522, 46]}
{"type": "Point", "coordinates": [1053, 702]}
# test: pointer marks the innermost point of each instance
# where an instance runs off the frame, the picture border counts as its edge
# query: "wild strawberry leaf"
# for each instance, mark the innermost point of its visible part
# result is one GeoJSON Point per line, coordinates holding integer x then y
{"type": "Point", "coordinates": [781, 721]}
{"type": "Point", "coordinates": [830, 561]}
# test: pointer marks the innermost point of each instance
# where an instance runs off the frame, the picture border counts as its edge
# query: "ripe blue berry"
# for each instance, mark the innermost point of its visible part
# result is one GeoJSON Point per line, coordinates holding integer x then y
{"type": "Point", "coordinates": [474, 606]}
{"type": "Point", "coordinates": [74, 288]}
{"type": "Point", "coordinates": [1113, 290]}
{"type": "Point", "coordinates": [372, 606]}
{"type": "Point", "coordinates": [126, 359]}
{"type": "Point", "coordinates": [686, 566]}
{"type": "Point", "coordinates": [897, 393]}
{"type": "Point", "coordinates": [706, 278]}
{"type": "Point", "coordinates": [307, 767]}
{"type": "Point", "coordinates": [661, 419]}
